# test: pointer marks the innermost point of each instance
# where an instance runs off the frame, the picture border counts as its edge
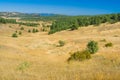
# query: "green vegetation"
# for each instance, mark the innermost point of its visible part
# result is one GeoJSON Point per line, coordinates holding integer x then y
{"type": "Point", "coordinates": [28, 24]}
{"type": "Point", "coordinates": [22, 28]}
{"type": "Point", "coordinates": [79, 56]}
{"type": "Point", "coordinates": [29, 31]}
{"type": "Point", "coordinates": [74, 26]}
{"type": "Point", "coordinates": [35, 30]}
{"type": "Point", "coordinates": [67, 22]}
{"type": "Point", "coordinates": [109, 44]}
{"type": "Point", "coordinates": [14, 35]}
{"type": "Point", "coordinates": [103, 40]}
{"type": "Point", "coordinates": [61, 43]}
{"type": "Point", "coordinates": [10, 26]}
{"type": "Point", "coordinates": [23, 66]}
{"type": "Point", "coordinates": [16, 31]}
{"type": "Point", "coordinates": [4, 21]}
{"type": "Point", "coordinates": [13, 21]}
{"type": "Point", "coordinates": [92, 47]}
{"type": "Point", "coordinates": [20, 33]}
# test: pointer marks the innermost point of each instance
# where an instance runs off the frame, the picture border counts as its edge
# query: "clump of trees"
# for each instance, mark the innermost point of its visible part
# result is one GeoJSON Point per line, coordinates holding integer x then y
{"type": "Point", "coordinates": [92, 47]}
{"type": "Point", "coordinates": [13, 21]}
{"type": "Point", "coordinates": [74, 22]}
{"type": "Point", "coordinates": [28, 24]}
{"type": "Point", "coordinates": [4, 21]}
{"type": "Point", "coordinates": [35, 30]}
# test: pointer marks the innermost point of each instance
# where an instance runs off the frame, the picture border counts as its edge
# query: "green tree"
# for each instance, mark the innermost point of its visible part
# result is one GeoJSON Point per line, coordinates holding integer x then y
{"type": "Point", "coordinates": [22, 28]}
{"type": "Point", "coordinates": [80, 56]}
{"type": "Point", "coordinates": [29, 31]}
{"type": "Point", "coordinates": [34, 30]}
{"type": "Point", "coordinates": [61, 43]}
{"type": "Point", "coordinates": [92, 47]}
{"type": "Point", "coordinates": [14, 35]}
{"type": "Point", "coordinates": [20, 33]}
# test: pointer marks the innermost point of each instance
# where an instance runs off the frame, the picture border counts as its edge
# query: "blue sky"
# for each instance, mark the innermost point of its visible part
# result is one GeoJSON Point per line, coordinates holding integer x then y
{"type": "Point", "coordinates": [69, 7]}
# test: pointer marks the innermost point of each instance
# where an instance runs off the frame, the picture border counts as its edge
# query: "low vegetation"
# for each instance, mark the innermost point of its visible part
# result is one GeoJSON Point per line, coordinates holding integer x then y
{"type": "Point", "coordinates": [23, 66]}
{"type": "Point", "coordinates": [109, 44]}
{"type": "Point", "coordinates": [14, 35]}
{"type": "Point", "coordinates": [92, 47]}
{"type": "Point", "coordinates": [22, 28]}
{"type": "Point", "coordinates": [79, 56]}
{"type": "Point", "coordinates": [103, 40]}
{"type": "Point", "coordinates": [35, 30]}
{"type": "Point", "coordinates": [61, 43]}
{"type": "Point", "coordinates": [20, 33]}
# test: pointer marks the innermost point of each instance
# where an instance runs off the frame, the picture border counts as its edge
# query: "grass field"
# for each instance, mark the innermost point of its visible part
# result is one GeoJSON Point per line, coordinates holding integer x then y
{"type": "Point", "coordinates": [35, 56]}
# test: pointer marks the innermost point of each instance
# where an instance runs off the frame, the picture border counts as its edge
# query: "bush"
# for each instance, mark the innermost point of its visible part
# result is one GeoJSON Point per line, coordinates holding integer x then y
{"type": "Point", "coordinates": [61, 43]}
{"type": "Point", "coordinates": [103, 40]}
{"type": "Point", "coordinates": [20, 32]}
{"type": "Point", "coordinates": [109, 45]}
{"type": "Point", "coordinates": [37, 30]}
{"type": "Point", "coordinates": [22, 28]}
{"type": "Point", "coordinates": [92, 47]}
{"type": "Point", "coordinates": [80, 56]}
{"type": "Point", "coordinates": [14, 35]}
{"type": "Point", "coordinates": [29, 31]}
{"type": "Point", "coordinates": [74, 27]}
{"type": "Point", "coordinates": [23, 66]}
{"type": "Point", "coordinates": [33, 30]}
{"type": "Point", "coordinates": [16, 31]}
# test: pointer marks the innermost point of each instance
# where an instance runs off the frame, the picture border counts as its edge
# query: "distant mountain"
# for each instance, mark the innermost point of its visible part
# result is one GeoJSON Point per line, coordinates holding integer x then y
{"type": "Point", "coordinates": [48, 14]}
{"type": "Point", "coordinates": [18, 14]}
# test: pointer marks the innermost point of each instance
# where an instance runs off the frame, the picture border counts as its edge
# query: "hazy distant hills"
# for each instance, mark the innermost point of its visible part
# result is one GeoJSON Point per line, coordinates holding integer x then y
{"type": "Point", "coordinates": [18, 14]}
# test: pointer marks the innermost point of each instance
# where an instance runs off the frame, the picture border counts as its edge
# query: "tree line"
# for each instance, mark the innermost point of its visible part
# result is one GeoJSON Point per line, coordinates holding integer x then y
{"type": "Point", "coordinates": [13, 21]}
{"type": "Point", "coordinates": [73, 22]}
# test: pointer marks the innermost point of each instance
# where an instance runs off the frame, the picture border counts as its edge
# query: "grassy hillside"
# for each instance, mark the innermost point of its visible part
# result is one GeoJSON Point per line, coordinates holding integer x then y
{"type": "Point", "coordinates": [36, 56]}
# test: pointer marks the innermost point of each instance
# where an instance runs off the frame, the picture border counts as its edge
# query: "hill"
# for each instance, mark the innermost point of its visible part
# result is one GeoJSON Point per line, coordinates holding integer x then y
{"type": "Point", "coordinates": [35, 56]}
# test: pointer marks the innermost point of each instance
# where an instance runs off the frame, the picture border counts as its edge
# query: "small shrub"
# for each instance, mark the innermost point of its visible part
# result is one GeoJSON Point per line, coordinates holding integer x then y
{"type": "Point", "coordinates": [10, 26]}
{"type": "Point", "coordinates": [22, 28]}
{"type": "Point", "coordinates": [23, 66]}
{"type": "Point", "coordinates": [103, 40]}
{"type": "Point", "coordinates": [14, 35]}
{"type": "Point", "coordinates": [80, 56]}
{"type": "Point", "coordinates": [16, 31]}
{"type": "Point", "coordinates": [20, 33]}
{"type": "Point", "coordinates": [109, 45]}
{"type": "Point", "coordinates": [61, 43]}
{"type": "Point", "coordinates": [29, 31]}
{"type": "Point", "coordinates": [92, 47]}
{"type": "Point", "coordinates": [37, 30]}
{"type": "Point", "coordinates": [34, 30]}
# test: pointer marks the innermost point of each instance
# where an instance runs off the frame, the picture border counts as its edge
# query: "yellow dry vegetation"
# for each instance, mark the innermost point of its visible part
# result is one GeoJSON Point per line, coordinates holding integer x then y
{"type": "Point", "coordinates": [34, 56]}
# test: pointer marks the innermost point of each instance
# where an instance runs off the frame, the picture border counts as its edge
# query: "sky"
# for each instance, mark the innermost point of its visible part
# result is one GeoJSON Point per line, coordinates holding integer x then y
{"type": "Point", "coordinates": [66, 7]}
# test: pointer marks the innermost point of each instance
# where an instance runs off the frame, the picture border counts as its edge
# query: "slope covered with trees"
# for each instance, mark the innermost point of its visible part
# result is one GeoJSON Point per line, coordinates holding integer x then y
{"type": "Point", "coordinates": [13, 21]}
{"type": "Point", "coordinates": [80, 21]}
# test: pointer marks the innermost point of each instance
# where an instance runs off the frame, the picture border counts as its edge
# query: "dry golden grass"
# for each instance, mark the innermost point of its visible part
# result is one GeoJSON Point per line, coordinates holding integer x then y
{"type": "Point", "coordinates": [36, 57]}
